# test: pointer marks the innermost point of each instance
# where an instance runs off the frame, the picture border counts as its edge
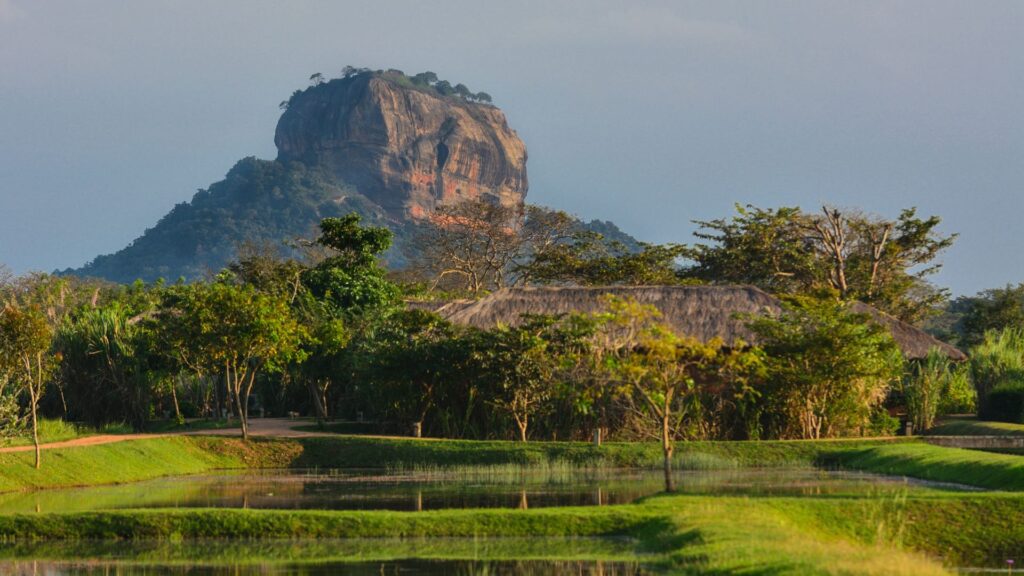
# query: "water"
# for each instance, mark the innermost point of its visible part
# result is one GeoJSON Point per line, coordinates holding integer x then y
{"type": "Point", "coordinates": [415, 567]}
{"type": "Point", "coordinates": [433, 490]}
{"type": "Point", "coordinates": [463, 556]}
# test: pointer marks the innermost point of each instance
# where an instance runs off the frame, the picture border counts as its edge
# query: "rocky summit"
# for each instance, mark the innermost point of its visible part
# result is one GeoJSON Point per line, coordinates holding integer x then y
{"type": "Point", "coordinates": [389, 146]}
{"type": "Point", "coordinates": [404, 146]}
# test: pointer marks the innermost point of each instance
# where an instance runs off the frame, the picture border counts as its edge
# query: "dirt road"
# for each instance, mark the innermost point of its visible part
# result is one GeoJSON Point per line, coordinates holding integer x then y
{"type": "Point", "coordinates": [275, 427]}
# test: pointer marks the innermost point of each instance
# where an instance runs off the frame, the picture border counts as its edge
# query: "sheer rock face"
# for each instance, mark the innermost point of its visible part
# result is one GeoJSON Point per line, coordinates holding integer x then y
{"type": "Point", "coordinates": [405, 148]}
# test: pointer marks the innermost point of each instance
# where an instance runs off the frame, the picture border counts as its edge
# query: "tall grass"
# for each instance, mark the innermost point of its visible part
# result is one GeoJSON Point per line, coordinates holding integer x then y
{"type": "Point", "coordinates": [998, 361]}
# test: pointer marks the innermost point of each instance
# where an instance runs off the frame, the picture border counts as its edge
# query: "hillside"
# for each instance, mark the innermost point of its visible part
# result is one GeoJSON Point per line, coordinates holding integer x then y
{"type": "Point", "coordinates": [388, 146]}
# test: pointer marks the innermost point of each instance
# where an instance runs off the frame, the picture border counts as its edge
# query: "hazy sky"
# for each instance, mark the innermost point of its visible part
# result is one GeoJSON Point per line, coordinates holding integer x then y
{"type": "Point", "coordinates": [649, 114]}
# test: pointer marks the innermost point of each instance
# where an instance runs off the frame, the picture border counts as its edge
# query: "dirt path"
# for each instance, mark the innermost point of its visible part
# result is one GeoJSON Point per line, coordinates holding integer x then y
{"type": "Point", "coordinates": [274, 427]}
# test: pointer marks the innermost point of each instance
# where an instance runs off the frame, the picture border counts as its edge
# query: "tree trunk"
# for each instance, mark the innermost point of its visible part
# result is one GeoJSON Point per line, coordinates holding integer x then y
{"type": "Point", "coordinates": [667, 448]}
{"type": "Point", "coordinates": [319, 400]}
{"type": "Point", "coordinates": [241, 409]}
{"type": "Point", "coordinates": [35, 430]}
{"type": "Point", "coordinates": [522, 423]}
{"type": "Point", "coordinates": [174, 397]}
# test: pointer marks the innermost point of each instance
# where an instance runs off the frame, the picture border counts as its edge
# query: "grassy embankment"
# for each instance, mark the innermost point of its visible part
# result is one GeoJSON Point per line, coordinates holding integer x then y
{"type": "Point", "coordinates": [966, 426]}
{"type": "Point", "coordinates": [861, 535]}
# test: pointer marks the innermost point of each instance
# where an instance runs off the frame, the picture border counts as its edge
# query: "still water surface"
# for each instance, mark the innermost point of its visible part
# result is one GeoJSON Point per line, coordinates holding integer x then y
{"type": "Point", "coordinates": [433, 490]}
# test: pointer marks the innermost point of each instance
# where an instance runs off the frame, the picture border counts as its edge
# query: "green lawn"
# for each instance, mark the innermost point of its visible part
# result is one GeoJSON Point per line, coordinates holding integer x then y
{"type": "Point", "coordinates": [928, 462]}
{"type": "Point", "coordinates": [973, 427]}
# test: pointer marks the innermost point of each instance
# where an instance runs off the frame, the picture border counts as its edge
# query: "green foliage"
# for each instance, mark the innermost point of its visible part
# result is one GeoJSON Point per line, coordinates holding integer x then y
{"type": "Point", "coordinates": [1004, 403]}
{"type": "Point", "coordinates": [352, 278]}
{"type": "Point", "coordinates": [589, 259]}
{"type": "Point", "coordinates": [258, 201]}
{"type": "Point", "coordinates": [958, 394]}
{"type": "Point", "coordinates": [996, 310]}
{"type": "Point", "coordinates": [111, 366]}
{"type": "Point", "coordinates": [929, 381]}
{"type": "Point", "coordinates": [231, 330]}
{"type": "Point", "coordinates": [25, 358]}
{"type": "Point", "coordinates": [828, 369]}
{"type": "Point", "coordinates": [884, 263]}
{"type": "Point", "coordinates": [997, 362]}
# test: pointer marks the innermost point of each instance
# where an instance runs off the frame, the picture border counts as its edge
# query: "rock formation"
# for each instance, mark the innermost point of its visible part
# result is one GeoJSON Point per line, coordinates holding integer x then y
{"type": "Point", "coordinates": [382, 144]}
{"type": "Point", "coordinates": [405, 147]}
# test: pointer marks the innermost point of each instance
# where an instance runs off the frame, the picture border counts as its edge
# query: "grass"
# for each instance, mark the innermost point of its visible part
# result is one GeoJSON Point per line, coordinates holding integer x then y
{"type": "Point", "coordinates": [57, 430]}
{"type": "Point", "coordinates": [165, 426]}
{"type": "Point", "coordinates": [973, 427]}
{"type": "Point", "coordinates": [940, 464]}
{"type": "Point", "coordinates": [686, 534]}
{"type": "Point", "coordinates": [112, 463]}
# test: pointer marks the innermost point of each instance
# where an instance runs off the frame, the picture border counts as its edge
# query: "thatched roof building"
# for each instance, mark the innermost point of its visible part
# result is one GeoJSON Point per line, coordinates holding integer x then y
{"type": "Point", "coordinates": [704, 312]}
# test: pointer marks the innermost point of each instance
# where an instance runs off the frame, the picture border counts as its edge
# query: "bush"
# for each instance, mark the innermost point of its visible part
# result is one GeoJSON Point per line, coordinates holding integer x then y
{"type": "Point", "coordinates": [999, 357]}
{"type": "Point", "coordinates": [1005, 404]}
{"type": "Point", "coordinates": [958, 394]}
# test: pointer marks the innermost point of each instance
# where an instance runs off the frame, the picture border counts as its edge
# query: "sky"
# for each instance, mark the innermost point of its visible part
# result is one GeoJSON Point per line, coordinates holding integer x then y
{"type": "Point", "coordinates": [650, 114]}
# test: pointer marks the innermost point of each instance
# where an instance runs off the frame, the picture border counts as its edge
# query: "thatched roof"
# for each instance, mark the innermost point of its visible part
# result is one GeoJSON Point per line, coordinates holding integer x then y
{"type": "Point", "coordinates": [704, 312]}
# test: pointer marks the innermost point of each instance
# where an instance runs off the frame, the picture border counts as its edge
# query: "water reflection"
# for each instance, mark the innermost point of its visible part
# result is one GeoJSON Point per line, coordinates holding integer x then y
{"type": "Point", "coordinates": [423, 556]}
{"type": "Point", "coordinates": [416, 491]}
{"type": "Point", "coordinates": [397, 568]}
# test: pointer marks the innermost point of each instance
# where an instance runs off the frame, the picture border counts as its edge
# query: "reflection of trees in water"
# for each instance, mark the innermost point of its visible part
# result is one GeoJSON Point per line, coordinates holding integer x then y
{"type": "Point", "coordinates": [396, 568]}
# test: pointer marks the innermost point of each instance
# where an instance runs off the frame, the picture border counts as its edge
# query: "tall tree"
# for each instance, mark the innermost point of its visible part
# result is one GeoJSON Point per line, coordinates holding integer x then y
{"type": "Point", "coordinates": [25, 342]}
{"type": "Point", "coordinates": [233, 330]}
{"type": "Point", "coordinates": [855, 256]}
{"type": "Point", "coordinates": [828, 369]}
{"type": "Point", "coordinates": [351, 278]}
{"type": "Point", "coordinates": [477, 245]}
{"type": "Point", "coordinates": [662, 370]}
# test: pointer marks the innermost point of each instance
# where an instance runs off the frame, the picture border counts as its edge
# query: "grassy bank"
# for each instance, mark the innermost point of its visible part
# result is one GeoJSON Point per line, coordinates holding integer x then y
{"type": "Point", "coordinates": [688, 534]}
{"type": "Point", "coordinates": [111, 463]}
{"type": "Point", "coordinates": [940, 464]}
{"type": "Point", "coordinates": [975, 427]}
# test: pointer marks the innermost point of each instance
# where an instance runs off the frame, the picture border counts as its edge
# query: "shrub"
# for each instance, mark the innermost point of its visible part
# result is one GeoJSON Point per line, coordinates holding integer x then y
{"type": "Point", "coordinates": [997, 363]}
{"type": "Point", "coordinates": [1005, 403]}
{"type": "Point", "coordinates": [935, 385]}
{"type": "Point", "coordinates": [958, 394]}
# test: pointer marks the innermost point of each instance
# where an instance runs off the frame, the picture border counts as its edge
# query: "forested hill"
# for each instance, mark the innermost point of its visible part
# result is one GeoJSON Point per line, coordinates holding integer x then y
{"type": "Point", "coordinates": [388, 146]}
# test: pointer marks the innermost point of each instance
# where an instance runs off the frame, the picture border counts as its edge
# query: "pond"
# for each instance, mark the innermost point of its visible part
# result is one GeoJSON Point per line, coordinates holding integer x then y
{"type": "Point", "coordinates": [489, 556]}
{"type": "Point", "coordinates": [500, 487]}
{"type": "Point", "coordinates": [413, 567]}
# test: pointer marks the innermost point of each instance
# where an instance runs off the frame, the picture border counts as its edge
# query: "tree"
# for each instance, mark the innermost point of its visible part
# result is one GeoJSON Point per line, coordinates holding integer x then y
{"type": "Point", "coordinates": [234, 330]}
{"type": "Point", "coordinates": [316, 79]}
{"type": "Point", "coordinates": [413, 357]}
{"type": "Point", "coordinates": [996, 309]}
{"type": "Point", "coordinates": [25, 341]}
{"type": "Point", "coordinates": [352, 278]}
{"type": "Point", "coordinates": [483, 97]}
{"type": "Point", "coordinates": [662, 370]}
{"type": "Point", "coordinates": [762, 247]}
{"type": "Point", "coordinates": [589, 260]}
{"type": "Point", "coordinates": [828, 370]}
{"type": "Point", "coordinates": [521, 366]}
{"type": "Point", "coordinates": [847, 253]}
{"type": "Point", "coordinates": [477, 245]}
{"type": "Point", "coordinates": [110, 367]}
